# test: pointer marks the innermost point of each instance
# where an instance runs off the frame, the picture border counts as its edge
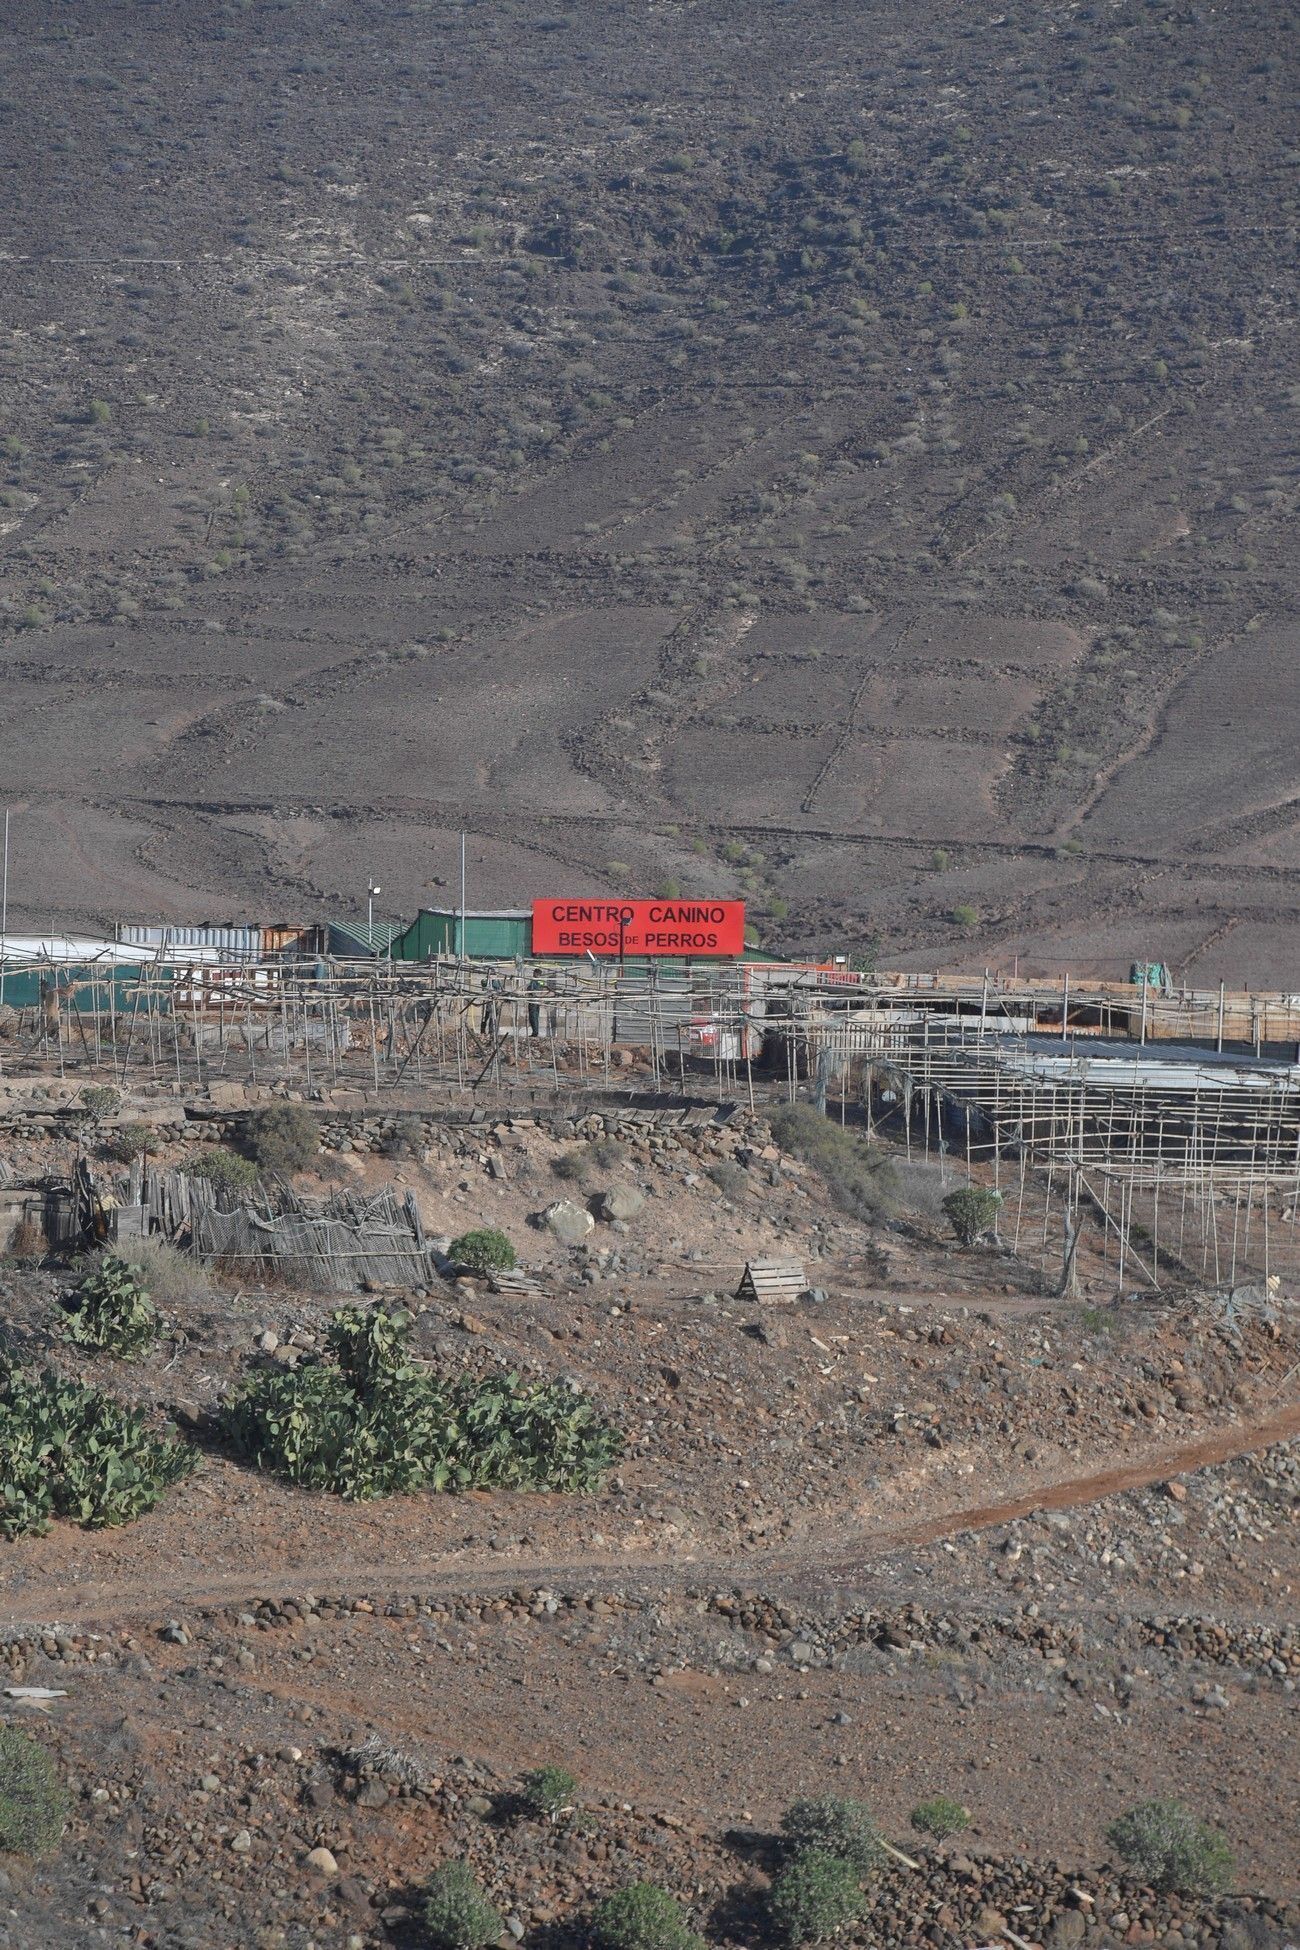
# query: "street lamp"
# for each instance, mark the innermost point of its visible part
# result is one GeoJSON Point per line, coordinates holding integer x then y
{"type": "Point", "coordinates": [372, 889]}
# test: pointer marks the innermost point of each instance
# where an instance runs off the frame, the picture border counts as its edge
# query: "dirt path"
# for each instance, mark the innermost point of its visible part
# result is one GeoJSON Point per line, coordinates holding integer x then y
{"type": "Point", "coordinates": [71, 1602]}
{"type": "Point", "coordinates": [1222, 1446]}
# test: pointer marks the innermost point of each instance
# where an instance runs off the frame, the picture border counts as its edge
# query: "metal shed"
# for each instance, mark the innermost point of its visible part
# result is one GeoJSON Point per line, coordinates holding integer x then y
{"type": "Point", "coordinates": [491, 934]}
{"type": "Point", "coordinates": [233, 943]}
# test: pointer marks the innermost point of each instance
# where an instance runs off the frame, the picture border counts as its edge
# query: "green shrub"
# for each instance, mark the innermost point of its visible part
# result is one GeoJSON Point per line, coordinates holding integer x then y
{"type": "Point", "coordinates": [547, 1792]}
{"type": "Point", "coordinates": [833, 1825]}
{"type": "Point", "coordinates": [111, 1309]}
{"type": "Point", "coordinates": [457, 1915]}
{"type": "Point", "coordinates": [126, 1144]}
{"type": "Point", "coordinates": [940, 1817]}
{"type": "Point", "coordinates": [642, 1917]}
{"type": "Point", "coordinates": [814, 1896]}
{"type": "Point", "coordinates": [101, 1100]}
{"type": "Point", "coordinates": [1098, 1320]}
{"type": "Point", "coordinates": [859, 1180]}
{"type": "Point", "coordinates": [972, 1211]}
{"type": "Point", "coordinates": [965, 917]}
{"type": "Point", "coordinates": [1165, 1844]}
{"type": "Point", "coordinates": [486, 1250]}
{"type": "Point", "coordinates": [282, 1137]}
{"type": "Point", "coordinates": [69, 1451]}
{"type": "Point", "coordinates": [33, 1800]}
{"type": "Point", "coordinates": [373, 1424]}
{"type": "Point", "coordinates": [225, 1170]}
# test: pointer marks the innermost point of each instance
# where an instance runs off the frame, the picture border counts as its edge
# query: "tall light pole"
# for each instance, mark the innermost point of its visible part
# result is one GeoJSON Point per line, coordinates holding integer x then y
{"type": "Point", "coordinates": [462, 897]}
{"type": "Point", "coordinates": [4, 912]}
{"type": "Point", "coordinates": [372, 888]}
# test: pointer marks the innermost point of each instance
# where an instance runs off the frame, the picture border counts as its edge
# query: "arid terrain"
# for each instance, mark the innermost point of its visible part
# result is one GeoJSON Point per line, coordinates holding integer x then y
{"type": "Point", "coordinates": [844, 456]}
{"type": "Point", "coordinates": [841, 455]}
{"type": "Point", "coordinates": [926, 1531]}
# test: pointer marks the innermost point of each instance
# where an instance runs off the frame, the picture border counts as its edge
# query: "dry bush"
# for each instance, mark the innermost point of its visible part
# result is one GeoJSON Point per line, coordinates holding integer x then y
{"type": "Point", "coordinates": [859, 1180]}
{"type": "Point", "coordinates": [922, 1189]}
{"type": "Point", "coordinates": [172, 1277]}
{"type": "Point", "coordinates": [27, 1240]}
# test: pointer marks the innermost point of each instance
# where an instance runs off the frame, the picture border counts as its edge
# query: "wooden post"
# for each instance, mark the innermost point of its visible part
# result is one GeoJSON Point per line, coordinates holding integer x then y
{"type": "Point", "coordinates": [1069, 1287]}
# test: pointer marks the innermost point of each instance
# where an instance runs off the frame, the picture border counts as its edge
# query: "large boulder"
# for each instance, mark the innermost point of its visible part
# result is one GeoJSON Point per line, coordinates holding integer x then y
{"type": "Point", "coordinates": [567, 1222]}
{"type": "Point", "coordinates": [619, 1202]}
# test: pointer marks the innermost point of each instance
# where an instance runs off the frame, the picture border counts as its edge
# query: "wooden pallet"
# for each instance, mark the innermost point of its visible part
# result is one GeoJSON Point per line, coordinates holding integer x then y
{"type": "Point", "coordinates": [772, 1282]}
{"type": "Point", "coordinates": [517, 1285]}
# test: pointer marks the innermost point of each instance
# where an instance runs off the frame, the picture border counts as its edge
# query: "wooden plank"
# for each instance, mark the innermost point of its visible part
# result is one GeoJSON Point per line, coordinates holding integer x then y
{"type": "Point", "coordinates": [517, 1285]}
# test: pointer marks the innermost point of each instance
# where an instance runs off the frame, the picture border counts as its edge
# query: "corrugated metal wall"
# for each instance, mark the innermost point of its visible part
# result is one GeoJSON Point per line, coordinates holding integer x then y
{"type": "Point", "coordinates": [488, 937]}
{"type": "Point", "coordinates": [236, 944]}
{"type": "Point", "coordinates": [85, 987]}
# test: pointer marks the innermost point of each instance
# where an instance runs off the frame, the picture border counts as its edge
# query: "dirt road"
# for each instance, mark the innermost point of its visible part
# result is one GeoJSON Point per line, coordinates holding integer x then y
{"type": "Point", "coordinates": [63, 1597]}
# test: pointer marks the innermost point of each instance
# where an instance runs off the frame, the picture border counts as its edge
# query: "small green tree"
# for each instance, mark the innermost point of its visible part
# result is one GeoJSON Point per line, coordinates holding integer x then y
{"type": "Point", "coordinates": [101, 1100]}
{"type": "Point", "coordinates": [642, 1917]}
{"type": "Point", "coordinates": [1170, 1848]}
{"type": "Point", "coordinates": [833, 1824]}
{"type": "Point", "coordinates": [129, 1141]}
{"type": "Point", "coordinates": [457, 1915]}
{"type": "Point", "coordinates": [972, 1211]}
{"type": "Point", "coordinates": [815, 1896]}
{"type": "Point", "coordinates": [548, 1792]}
{"type": "Point", "coordinates": [111, 1309]}
{"type": "Point", "coordinates": [485, 1250]}
{"type": "Point", "coordinates": [940, 1817]}
{"type": "Point", "coordinates": [282, 1137]}
{"type": "Point", "coordinates": [33, 1800]}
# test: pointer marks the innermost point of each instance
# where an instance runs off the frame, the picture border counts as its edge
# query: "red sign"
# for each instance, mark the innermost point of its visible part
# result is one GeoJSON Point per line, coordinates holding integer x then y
{"type": "Point", "coordinates": [677, 927]}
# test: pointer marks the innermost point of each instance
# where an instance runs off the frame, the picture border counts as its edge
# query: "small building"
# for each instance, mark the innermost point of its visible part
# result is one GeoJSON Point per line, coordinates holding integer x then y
{"type": "Point", "coordinates": [490, 934]}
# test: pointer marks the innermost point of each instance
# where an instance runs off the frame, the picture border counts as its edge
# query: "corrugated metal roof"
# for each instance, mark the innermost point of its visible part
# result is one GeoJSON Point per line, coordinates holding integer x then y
{"type": "Point", "coordinates": [1130, 1067]}
{"type": "Point", "coordinates": [363, 937]}
{"type": "Point", "coordinates": [482, 913]}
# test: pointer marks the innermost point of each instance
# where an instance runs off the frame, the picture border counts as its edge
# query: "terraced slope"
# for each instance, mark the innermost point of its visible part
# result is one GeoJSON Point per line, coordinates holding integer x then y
{"type": "Point", "coordinates": [842, 454]}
